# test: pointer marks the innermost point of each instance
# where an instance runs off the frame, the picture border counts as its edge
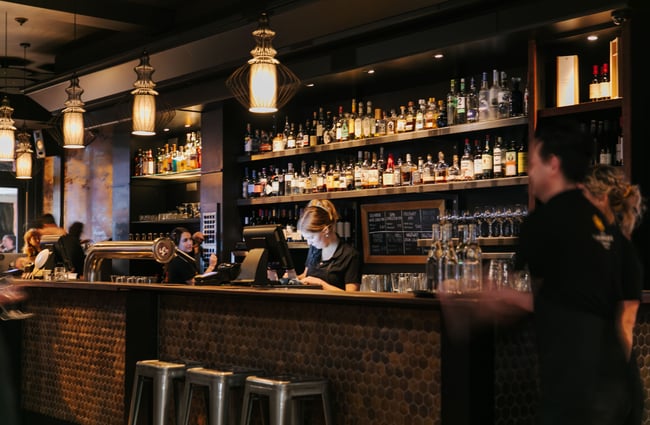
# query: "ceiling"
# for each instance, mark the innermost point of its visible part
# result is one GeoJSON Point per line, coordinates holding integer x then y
{"type": "Point", "coordinates": [193, 41]}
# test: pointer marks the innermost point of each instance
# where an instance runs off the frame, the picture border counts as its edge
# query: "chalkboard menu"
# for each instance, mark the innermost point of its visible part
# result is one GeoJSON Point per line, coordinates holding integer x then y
{"type": "Point", "coordinates": [391, 230]}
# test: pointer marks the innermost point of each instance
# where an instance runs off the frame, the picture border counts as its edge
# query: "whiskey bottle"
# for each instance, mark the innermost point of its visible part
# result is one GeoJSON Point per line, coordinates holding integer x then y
{"type": "Point", "coordinates": [429, 172]}
{"type": "Point", "coordinates": [467, 162]}
{"type": "Point", "coordinates": [405, 171]}
{"type": "Point", "coordinates": [497, 164]}
{"type": "Point", "coordinates": [441, 169]}
{"type": "Point", "coordinates": [351, 117]}
{"type": "Point", "coordinates": [478, 160]}
{"type": "Point", "coordinates": [430, 114]}
{"type": "Point", "coordinates": [417, 171]}
{"type": "Point", "coordinates": [487, 159]}
{"type": "Point", "coordinates": [400, 126]}
{"type": "Point", "coordinates": [511, 160]}
{"type": "Point", "coordinates": [388, 175]}
{"type": "Point", "coordinates": [358, 123]}
{"type": "Point", "coordinates": [380, 123]}
{"type": "Point", "coordinates": [248, 140]}
{"type": "Point", "coordinates": [320, 127]}
{"type": "Point", "coordinates": [522, 159]}
{"type": "Point", "coordinates": [368, 124]}
{"type": "Point", "coordinates": [453, 173]}
{"type": "Point", "coordinates": [419, 115]}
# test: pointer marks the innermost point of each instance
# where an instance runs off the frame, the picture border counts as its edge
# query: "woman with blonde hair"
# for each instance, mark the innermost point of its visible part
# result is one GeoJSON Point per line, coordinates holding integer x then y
{"type": "Point", "coordinates": [330, 262]}
{"type": "Point", "coordinates": [31, 248]}
{"type": "Point", "coordinates": [622, 204]}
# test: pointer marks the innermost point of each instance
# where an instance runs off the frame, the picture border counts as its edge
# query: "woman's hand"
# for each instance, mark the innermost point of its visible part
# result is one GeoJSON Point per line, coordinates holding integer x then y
{"type": "Point", "coordinates": [212, 263]}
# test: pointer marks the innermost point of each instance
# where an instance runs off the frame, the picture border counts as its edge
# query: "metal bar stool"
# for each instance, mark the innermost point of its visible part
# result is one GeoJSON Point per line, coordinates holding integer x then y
{"type": "Point", "coordinates": [220, 383]}
{"type": "Point", "coordinates": [284, 392]}
{"type": "Point", "coordinates": [162, 375]}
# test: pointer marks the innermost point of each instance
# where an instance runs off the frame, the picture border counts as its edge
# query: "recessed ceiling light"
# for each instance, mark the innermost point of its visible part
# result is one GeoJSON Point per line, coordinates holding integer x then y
{"type": "Point", "coordinates": [438, 56]}
{"type": "Point", "coordinates": [370, 71]}
{"type": "Point", "coordinates": [592, 38]}
{"type": "Point", "coordinates": [309, 84]}
{"type": "Point", "coordinates": [165, 129]}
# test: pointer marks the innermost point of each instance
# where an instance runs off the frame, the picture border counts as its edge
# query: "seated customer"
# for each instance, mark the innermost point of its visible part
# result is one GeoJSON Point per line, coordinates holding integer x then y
{"type": "Point", "coordinates": [71, 244]}
{"type": "Point", "coordinates": [181, 269]}
{"type": "Point", "coordinates": [31, 248]}
{"type": "Point", "coordinates": [8, 243]}
{"type": "Point", "coordinates": [330, 262]}
{"type": "Point", "coordinates": [48, 226]}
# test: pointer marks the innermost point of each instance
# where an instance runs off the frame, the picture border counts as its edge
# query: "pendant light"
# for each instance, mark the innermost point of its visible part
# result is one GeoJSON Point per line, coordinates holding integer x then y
{"type": "Point", "coordinates": [73, 114]}
{"type": "Point", "coordinates": [24, 146]}
{"type": "Point", "coordinates": [7, 129]}
{"type": "Point", "coordinates": [144, 101]}
{"type": "Point", "coordinates": [263, 84]}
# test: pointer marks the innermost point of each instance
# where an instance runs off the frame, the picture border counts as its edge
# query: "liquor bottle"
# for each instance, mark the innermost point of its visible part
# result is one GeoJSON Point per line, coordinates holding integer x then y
{"type": "Point", "coordinates": [522, 159]}
{"type": "Point", "coordinates": [419, 115]}
{"type": "Point", "coordinates": [310, 135]}
{"type": "Point", "coordinates": [358, 123]}
{"type": "Point", "coordinates": [432, 267]}
{"type": "Point", "coordinates": [516, 98]}
{"type": "Point", "coordinates": [291, 138]}
{"type": "Point", "coordinates": [381, 166]}
{"type": "Point", "coordinates": [373, 173]}
{"type": "Point", "coordinates": [511, 160]}
{"type": "Point", "coordinates": [320, 127]}
{"type": "Point", "coordinates": [472, 102]}
{"type": "Point", "coordinates": [380, 123]}
{"type": "Point", "coordinates": [349, 175]}
{"type": "Point", "coordinates": [594, 85]}
{"type": "Point", "coordinates": [389, 172]}
{"type": "Point", "coordinates": [265, 142]}
{"type": "Point", "coordinates": [448, 261]}
{"type": "Point", "coordinates": [417, 171]}
{"type": "Point", "coordinates": [248, 140]}
{"type": "Point", "coordinates": [487, 159]}
{"type": "Point", "coordinates": [409, 124]}
{"type": "Point", "coordinates": [351, 118]}
{"type": "Point", "coordinates": [497, 163]}
{"type": "Point", "coordinates": [484, 99]}
{"type": "Point", "coordinates": [137, 163]}
{"type": "Point", "coordinates": [358, 169]}
{"type": "Point", "coordinates": [441, 168]}
{"type": "Point", "coordinates": [391, 122]}
{"type": "Point", "coordinates": [244, 186]}
{"type": "Point", "coordinates": [478, 160]}
{"type": "Point", "coordinates": [429, 172]}
{"type": "Point", "coordinates": [365, 167]}
{"type": "Point", "coordinates": [504, 97]}
{"type": "Point", "coordinates": [471, 275]}
{"type": "Point", "coordinates": [453, 173]}
{"type": "Point", "coordinates": [442, 114]}
{"type": "Point", "coordinates": [331, 182]}
{"type": "Point", "coordinates": [368, 124]}
{"type": "Point", "coordinates": [618, 160]}
{"type": "Point", "coordinates": [494, 96]}
{"type": "Point", "coordinates": [430, 114]}
{"type": "Point", "coordinates": [405, 171]}
{"type": "Point", "coordinates": [400, 126]}
{"type": "Point", "coordinates": [289, 181]}
{"type": "Point", "coordinates": [467, 162]}
{"type": "Point", "coordinates": [329, 130]}
{"type": "Point", "coordinates": [604, 82]}
{"type": "Point", "coordinates": [461, 104]}
{"type": "Point", "coordinates": [451, 103]}
{"type": "Point", "coordinates": [340, 120]}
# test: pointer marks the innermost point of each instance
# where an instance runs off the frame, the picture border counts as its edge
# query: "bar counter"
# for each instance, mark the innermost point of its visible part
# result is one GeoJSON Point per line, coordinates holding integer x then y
{"type": "Point", "coordinates": [390, 358]}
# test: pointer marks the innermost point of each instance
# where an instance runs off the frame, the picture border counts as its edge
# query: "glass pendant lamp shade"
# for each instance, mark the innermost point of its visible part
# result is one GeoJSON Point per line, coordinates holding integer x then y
{"type": "Point", "coordinates": [7, 131]}
{"type": "Point", "coordinates": [144, 101]}
{"type": "Point", "coordinates": [263, 84]}
{"type": "Point", "coordinates": [73, 117]}
{"type": "Point", "coordinates": [24, 156]}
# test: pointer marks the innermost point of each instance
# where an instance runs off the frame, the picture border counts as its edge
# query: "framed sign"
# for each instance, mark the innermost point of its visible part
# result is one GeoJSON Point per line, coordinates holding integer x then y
{"type": "Point", "coordinates": [391, 230]}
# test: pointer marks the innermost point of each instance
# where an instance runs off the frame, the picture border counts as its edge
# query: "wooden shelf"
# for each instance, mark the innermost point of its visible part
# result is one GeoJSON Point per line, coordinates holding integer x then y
{"type": "Point", "coordinates": [599, 105]}
{"type": "Point", "coordinates": [185, 175]}
{"type": "Point", "coordinates": [382, 140]}
{"type": "Point", "coordinates": [399, 190]}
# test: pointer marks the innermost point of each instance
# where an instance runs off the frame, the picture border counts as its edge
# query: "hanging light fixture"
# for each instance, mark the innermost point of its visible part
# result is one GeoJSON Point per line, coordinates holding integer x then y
{"type": "Point", "coordinates": [24, 147]}
{"type": "Point", "coordinates": [7, 129]}
{"type": "Point", "coordinates": [263, 84]}
{"type": "Point", "coordinates": [144, 101]}
{"type": "Point", "coordinates": [73, 114]}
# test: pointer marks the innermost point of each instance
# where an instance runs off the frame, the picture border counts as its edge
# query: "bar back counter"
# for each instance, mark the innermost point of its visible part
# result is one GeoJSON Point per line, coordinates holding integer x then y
{"type": "Point", "coordinates": [390, 358]}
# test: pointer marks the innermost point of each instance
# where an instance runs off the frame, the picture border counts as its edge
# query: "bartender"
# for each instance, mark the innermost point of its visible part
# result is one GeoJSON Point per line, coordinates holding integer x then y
{"type": "Point", "coordinates": [330, 262]}
{"type": "Point", "coordinates": [184, 269]}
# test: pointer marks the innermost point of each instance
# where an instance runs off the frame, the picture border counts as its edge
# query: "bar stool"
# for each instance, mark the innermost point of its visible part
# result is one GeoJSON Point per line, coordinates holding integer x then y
{"type": "Point", "coordinates": [162, 374]}
{"type": "Point", "coordinates": [283, 392]}
{"type": "Point", "coordinates": [219, 382]}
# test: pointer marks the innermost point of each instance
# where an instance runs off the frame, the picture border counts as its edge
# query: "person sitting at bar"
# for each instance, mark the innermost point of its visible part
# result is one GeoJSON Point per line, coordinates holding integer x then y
{"type": "Point", "coordinates": [183, 269]}
{"type": "Point", "coordinates": [31, 248]}
{"type": "Point", "coordinates": [71, 244]}
{"type": "Point", "coordinates": [9, 243]}
{"type": "Point", "coordinates": [330, 262]}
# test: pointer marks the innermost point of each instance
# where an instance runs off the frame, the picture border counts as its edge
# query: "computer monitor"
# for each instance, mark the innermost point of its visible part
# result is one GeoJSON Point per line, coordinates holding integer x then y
{"type": "Point", "coordinates": [267, 249]}
{"type": "Point", "coordinates": [58, 254]}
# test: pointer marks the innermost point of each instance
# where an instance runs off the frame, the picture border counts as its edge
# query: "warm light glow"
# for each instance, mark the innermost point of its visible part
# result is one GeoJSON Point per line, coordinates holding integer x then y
{"type": "Point", "coordinates": [73, 118]}
{"type": "Point", "coordinates": [24, 156]}
{"type": "Point", "coordinates": [263, 88]}
{"type": "Point", "coordinates": [144, 115]}
{"type": "Point", "coordinates": [7, 132]}
{"type": "Point", "coordinates": [73, 129]}
{"type": "Point", "coordinates": [144, 101]}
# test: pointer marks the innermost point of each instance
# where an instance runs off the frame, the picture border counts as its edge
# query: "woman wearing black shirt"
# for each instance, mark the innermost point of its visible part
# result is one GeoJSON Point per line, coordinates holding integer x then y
{"type": "Point", "coordinates": [181, 270]}
{"type": "Point", "coordinates": [330, 262]}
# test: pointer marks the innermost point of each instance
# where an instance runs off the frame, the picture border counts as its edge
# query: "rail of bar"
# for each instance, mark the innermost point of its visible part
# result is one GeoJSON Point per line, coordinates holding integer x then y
{"type": "Point", "coordinates": [161, 250]}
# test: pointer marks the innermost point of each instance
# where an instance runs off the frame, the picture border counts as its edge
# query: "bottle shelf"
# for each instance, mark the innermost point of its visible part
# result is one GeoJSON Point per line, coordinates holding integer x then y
{"type": "Point", "coordinates": [184, 175]}
{"type": "Point", "coordinates": [174, 221]}
{"type": "Point", "coordinates": [599, 105]}
{"type": "Point", "coordinates": [381, 140]}
{"type": "Point", "coordinates": [399, 190]}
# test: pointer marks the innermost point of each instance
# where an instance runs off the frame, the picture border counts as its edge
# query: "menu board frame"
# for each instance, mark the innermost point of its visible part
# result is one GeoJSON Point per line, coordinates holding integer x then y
{"type": "Point", "coordinates": [381, 221]}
